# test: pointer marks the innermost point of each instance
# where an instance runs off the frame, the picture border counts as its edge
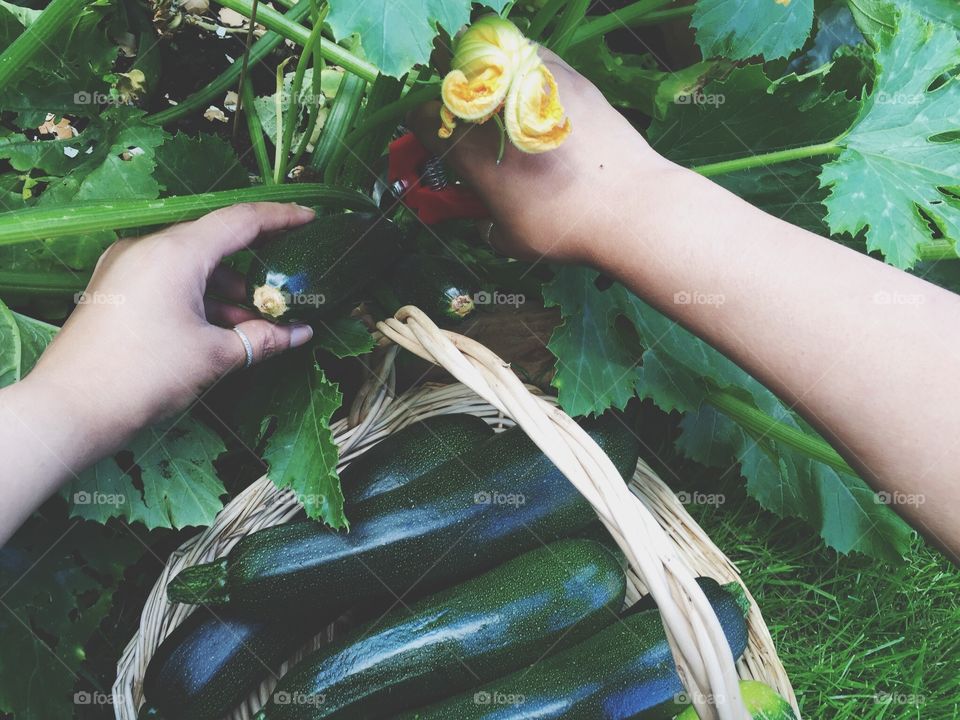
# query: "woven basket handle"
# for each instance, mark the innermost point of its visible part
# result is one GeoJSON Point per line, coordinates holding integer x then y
{"type": "Point", "coordinates": [703, 656]}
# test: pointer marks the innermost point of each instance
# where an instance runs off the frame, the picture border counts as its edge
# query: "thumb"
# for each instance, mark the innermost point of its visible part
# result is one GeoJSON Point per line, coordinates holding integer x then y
{"type": "Point", "coordinates": [265, 339]}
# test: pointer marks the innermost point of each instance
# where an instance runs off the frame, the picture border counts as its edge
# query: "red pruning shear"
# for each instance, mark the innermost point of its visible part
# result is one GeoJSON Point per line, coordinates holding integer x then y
{"type": "Point", "coordinates": [418, 180]}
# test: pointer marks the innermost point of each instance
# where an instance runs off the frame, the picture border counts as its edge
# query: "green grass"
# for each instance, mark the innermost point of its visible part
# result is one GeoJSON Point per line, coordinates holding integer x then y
{"type": "Point", "coordinates": [861, 640]}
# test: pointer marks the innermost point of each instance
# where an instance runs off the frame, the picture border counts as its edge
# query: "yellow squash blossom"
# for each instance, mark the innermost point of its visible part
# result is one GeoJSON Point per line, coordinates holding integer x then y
{"type": "Point", "coordinates": [534, 117]}
{"type": "Point", "coordinates": [484, 61]}
{"type": "Point", "coordinates": [494, 66]}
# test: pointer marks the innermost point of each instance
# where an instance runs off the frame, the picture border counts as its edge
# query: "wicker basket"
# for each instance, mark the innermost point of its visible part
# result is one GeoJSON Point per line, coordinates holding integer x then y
{"type": "Point", "coordinates": [664, 545]}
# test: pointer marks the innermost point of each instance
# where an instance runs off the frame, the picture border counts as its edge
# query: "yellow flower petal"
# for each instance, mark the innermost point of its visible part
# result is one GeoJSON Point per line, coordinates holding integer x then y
{"type": "Point", "coordinates": [448, 122]}
{"type": "Point", "coordinates": [534, 116]}
{"type": "Point", "coordinates": [484, 62]}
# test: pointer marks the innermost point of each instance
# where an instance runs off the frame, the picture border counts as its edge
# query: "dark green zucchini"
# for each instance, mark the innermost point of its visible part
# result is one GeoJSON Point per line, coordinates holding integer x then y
{"type": "Point", "coordinates": [206, 667]}
{"type": "Point", "coordinates": [625, 671]}
{"type": "Point", "coordinates": [511, 616]}
{"type": "Point", "coordinates": [212, 661]}
{"type": "Point", "coordinates": [314, 269]}
{"type": "Point", "coordinates": [496, 500]}
{"type": "Point", "coordinates": [409, 453]}
{"type": "Point", "coordinates": [444, 289]}
{"type": "Point", "coordinates": [763, 702]}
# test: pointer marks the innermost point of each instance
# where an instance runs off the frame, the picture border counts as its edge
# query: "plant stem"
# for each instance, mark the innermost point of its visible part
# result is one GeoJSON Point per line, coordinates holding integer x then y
{"type": "Point", "coordinates": [293, 110]}
{"type": "Point", "coordinates": [256, 133]}
{"type": "Point", "coordinates": [33, 224]}
{"type": "Point", "coordinates": [938, 250]}
{"type": "Point", "coordinates": [272, 20]}
{"type": "Point", "coordinates": [762, 424]}
{"type": "Point", "coordinates": [41, 35]}
{"type": "Point", "coordinates": [543, 18]}
{"type": "Point", "coordinates": [278, 114]}
{"type": "Point", "coordinates": [396, 110]}
{"type": "Point", "coordinates": [228, 78]}
{"type": "Point", "coordinates": [662, 16]}
{"type": "Point", "coordinates": [770, 158]}
{"type": "Point", "coordinates": [629, 16]}
{"type": "Point", "coordinates": [42, 283]}
{"type": "Point", "coordinates": [562, 35]}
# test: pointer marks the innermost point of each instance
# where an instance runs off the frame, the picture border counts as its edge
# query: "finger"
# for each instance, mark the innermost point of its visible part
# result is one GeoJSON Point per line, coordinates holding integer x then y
{"type": "Point", "coordinates": [225, 314]}
{"type": "Point", "coordinates": [230, 229]}
{"type": "Point", "coordinates": [267, 339]}
{"type": "Point", "coordinates": [227, 284]}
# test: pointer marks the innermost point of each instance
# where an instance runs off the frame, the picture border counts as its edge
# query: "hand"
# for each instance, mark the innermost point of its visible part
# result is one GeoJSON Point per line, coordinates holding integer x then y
{"type": "Point", "coordinates": [546, 206]}
{"type": "Point", "coordinates": [144, 342]}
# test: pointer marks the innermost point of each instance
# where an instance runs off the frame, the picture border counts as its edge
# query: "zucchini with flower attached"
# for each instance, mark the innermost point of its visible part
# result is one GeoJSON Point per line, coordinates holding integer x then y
{"type": "Point", "coordinates": [445, 289]}
{"type": "Point", "coordinates": [512, 616]}
{"type": "Point", "coordinates": [316, 268]}
{"type": "Point", "coordinates": [496, 500]}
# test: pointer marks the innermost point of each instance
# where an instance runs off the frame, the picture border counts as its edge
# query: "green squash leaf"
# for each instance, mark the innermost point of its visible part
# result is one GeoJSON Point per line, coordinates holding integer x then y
{"type": "Point", "coordinates": [903, 153]}
{"type": "Point", "coordinates": [206, 163]}
{"type": "Point", "coordinates": [174, 464]}
{"type": "Point", "coordinates": [876, 17]}
{"type": "Point", "coordinates": [58, 580]}
{"type": "Point", "coordinates": [748, 114]}
{"type": "Point", "coordinates": [612, 345]}
{"type": "Point", "coordinates": [742, 29]}
{"type": "Point", "coordinates": [397, 36]}
{"type": "Point", "coordinates": [343, 337]}
{"type": "Point", "coordinates": [300, 450]}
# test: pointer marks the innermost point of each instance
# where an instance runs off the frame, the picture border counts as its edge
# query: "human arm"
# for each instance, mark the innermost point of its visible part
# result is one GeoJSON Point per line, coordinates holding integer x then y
{"type": "Point", "coordinates": [801, 313]}
{"type": "Point", "coordinates": [144, 344]}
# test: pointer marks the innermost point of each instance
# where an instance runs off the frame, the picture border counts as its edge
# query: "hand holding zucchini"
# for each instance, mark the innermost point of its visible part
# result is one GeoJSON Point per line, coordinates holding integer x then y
{"type": "Point", "coordinates": [314, 269]}
{"type": "Point", "coordinates": [500, 621]}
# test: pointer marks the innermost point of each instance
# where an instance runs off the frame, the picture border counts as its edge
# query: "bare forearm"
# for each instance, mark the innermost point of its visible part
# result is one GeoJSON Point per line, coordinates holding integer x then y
{"type": "Point", "coordinates": [867, 353]}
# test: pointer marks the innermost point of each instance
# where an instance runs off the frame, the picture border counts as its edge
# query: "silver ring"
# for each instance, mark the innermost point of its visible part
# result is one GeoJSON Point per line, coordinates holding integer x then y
{"type": "Point", "coordinates": [247, 346]}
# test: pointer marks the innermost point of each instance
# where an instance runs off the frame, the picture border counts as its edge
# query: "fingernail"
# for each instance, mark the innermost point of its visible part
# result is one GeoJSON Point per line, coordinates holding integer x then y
{"type": "Point", "coordinates": [300, 334]}
{"type": "Point", "coordinates": [309, 210]}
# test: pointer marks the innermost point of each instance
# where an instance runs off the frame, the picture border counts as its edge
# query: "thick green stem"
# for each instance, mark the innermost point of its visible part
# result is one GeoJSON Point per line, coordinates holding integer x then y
{"type": "Point", "coordinates": [42, 283]}
{"type": "Point", "coordinates": [33, 224]}
{"type": "Point", "coordinates": [293, 110]}
{"type": "Point", "coordinates": [256, 132]}
{"type": "Point", "coordinates": [227, 80]}
{"type": "Point", "coordinates": [395, 111]}
{"type": "Point", "coordinates": [662, 16]}
{"type": "Point", "coordinates": [762, 424]}
{"type": "Point", "coordinates": [628, 16]}
{"type": "Point", "coordinates": [562, 36]}
{"type": "Point", "coordinates": [770, 158]}
{"type": "Point", "coordinates": [43, 34]}
{"type": "Point", "coordinates": [272, 20]}
{"type": "Point", "coordinates": [543, 18]}
{"type": "Point", "coordinates": [938, 250]}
